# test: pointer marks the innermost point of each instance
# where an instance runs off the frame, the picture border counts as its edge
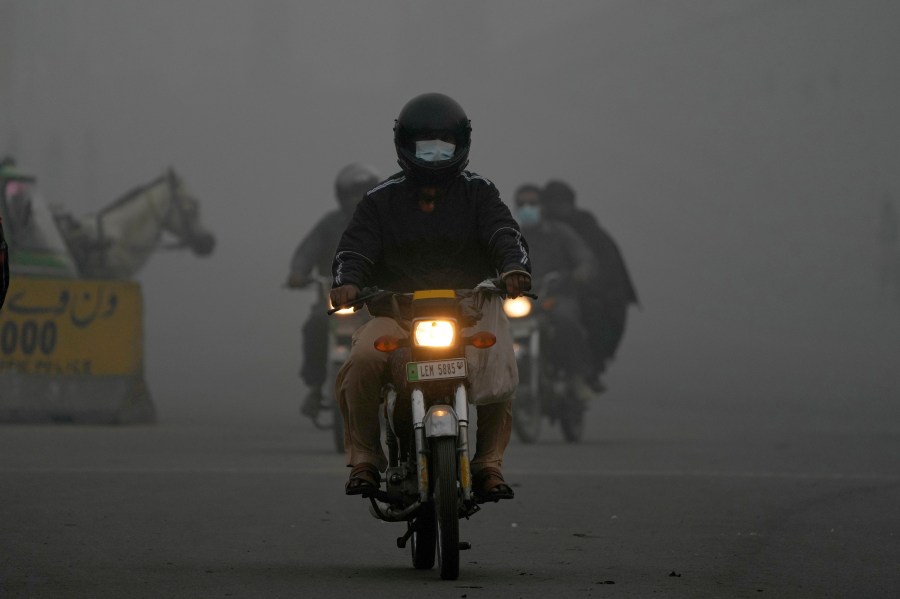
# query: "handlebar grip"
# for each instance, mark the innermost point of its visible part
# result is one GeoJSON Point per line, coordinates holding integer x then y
{"type": "Point", "coordinates": [365, 293]}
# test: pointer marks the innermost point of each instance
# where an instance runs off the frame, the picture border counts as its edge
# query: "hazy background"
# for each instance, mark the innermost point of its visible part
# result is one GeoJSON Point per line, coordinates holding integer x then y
{"type": "Point", "coordinates": [737, 150]}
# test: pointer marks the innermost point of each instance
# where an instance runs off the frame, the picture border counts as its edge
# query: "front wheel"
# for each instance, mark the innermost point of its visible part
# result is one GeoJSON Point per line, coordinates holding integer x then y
{"type": "Point", "coordinates": [337, 419]}
{"type": "Point", "coordinates": [446, 504]}
{"type": "Point", "coordinates": [571, 417]}
{"type": "Point", "coordinates": [527, 414]}
{"type": "Point", "coordinates": [337, 428]}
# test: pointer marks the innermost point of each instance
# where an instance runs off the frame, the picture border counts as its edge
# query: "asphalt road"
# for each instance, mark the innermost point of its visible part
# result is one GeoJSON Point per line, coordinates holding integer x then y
{"type": "Point", "coordinates": [254, 507]}
{"type": "Point", "coordinates": [733, 467]}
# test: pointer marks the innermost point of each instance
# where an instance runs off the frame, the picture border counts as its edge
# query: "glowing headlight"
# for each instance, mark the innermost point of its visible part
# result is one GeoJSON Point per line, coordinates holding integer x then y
{"type": "Point", "coordinates": [517, 308]}
{"type": "Point", "coordinates": [435, 333]}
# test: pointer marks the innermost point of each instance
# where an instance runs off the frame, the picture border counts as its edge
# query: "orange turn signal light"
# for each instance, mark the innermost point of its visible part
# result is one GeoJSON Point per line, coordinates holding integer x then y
{"type": "Point", "coordinates": [387, 344]}
{"type": "Point", "coordinates": [483, 340]}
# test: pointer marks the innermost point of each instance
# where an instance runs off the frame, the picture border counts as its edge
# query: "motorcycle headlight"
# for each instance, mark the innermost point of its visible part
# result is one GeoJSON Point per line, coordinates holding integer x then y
{"type": "Point", "coordinates": [435, 333]}
{"type": "Point", "coordinates": [517, 308]}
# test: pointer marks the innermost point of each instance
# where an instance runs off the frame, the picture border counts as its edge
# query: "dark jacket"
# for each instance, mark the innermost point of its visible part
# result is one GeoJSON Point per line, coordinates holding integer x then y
{"type": "Point", "coordinates": [560, 249]}
{"type": "Point", "coordinates": [316, 251]}
{"type": "Point", "coordinates": [613, 278]}
{"type": "Point", "coordinates": [395, 244]}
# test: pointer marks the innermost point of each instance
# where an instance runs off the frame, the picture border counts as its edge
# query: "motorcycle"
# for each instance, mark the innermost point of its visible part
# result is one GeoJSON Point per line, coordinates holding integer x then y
{"type": "Point", "coordinates": [428, 481]}
{"type": "Point", "coordinates": [340, 334]}
{"type": "Point", "coordinates": [545, 387]}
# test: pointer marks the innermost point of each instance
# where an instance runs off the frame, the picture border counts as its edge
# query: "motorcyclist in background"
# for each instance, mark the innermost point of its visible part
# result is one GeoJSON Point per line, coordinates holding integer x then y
{"type": "Point", "coordinates": [432, 226]}
{"type": "Point", "coordinates": [315, 253]}
{"type": "Point", "coordinates": [562, 252]}
{"type": "Point", "coordinates": [4, 266]}
{"type": "Point", "coordinates": [607, 297]}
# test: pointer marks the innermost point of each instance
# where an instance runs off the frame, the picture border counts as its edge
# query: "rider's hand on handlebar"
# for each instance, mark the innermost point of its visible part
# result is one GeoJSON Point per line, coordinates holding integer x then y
{"type": "Point", "coordinates": [516, 283]}
{"type": "Point", "coordinates": [344, 295]}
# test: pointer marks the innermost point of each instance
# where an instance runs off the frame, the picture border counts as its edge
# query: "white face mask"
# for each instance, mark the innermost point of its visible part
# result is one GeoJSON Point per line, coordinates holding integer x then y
{"type": "Point", "coordinates": [432, 150]}
{"type": "Point", "coordinates": [529, 215]}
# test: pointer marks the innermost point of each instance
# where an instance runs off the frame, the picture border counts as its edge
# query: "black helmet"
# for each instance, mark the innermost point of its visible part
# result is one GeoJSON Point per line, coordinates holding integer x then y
{"type": "Point", "coordinates": [432, 116]}
{"type": "Point", "coordinates": [353, 181]}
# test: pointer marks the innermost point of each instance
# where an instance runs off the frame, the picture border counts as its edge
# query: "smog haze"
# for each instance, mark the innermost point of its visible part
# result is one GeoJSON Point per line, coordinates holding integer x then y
{"type": "Point", "coordinates": [738, 151]}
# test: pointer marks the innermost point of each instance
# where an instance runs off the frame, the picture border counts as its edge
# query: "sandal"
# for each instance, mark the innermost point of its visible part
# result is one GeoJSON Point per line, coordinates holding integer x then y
{"type": "Point", "coordinates": [364, 480]}
{"type": "Point", "coordinates": [490, 486]}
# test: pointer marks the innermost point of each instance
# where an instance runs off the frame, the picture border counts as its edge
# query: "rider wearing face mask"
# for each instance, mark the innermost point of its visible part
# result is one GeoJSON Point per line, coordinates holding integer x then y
{"type": "Point", "coordinates": [315, 253]}
{"type": "Point", "coordinates": [432, 226]}
{"type": "Point", "coordinates": [562, 252]}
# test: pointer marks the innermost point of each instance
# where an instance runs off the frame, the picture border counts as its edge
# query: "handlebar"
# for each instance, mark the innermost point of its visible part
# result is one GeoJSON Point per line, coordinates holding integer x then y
{"type": "Point", "coordinates": [366, 293]}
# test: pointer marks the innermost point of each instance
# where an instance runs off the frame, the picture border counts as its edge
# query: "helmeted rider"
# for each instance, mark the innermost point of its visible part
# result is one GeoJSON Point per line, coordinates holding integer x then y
{"type": "Point", "coordinates": [563, 253]}
{"type": "Point", "coordinates": [607, 297]}
{"type": "Point", "coordinates": [314, 254]}
{"type": "Point", "coordinates": [434, 225]}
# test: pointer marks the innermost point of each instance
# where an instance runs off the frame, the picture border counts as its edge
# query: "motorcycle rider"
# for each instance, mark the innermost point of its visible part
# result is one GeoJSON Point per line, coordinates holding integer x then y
{"type": "Point", "coordinates": [564, 253]}
{"type": "Point", "coordinates": [608, 296]}
{"type": "Point", "coordinates": [315, 253]}
{"type": "Point", "coordinates": [432, 226]}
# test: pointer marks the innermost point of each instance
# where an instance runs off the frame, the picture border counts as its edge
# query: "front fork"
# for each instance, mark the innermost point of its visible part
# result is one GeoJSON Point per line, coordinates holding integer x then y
{"type": "Point", "coordinates": [442, 421]}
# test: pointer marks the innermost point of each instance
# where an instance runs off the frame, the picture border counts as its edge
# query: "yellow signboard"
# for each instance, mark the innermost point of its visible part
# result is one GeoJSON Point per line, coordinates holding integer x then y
{"type": "Point", "coordinates": [71, 327]}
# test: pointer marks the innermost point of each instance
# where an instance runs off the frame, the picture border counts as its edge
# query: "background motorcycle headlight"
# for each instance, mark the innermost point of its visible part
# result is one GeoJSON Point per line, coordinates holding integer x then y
{"type": "Point", "coordinates": [435, 333]}
{"type": "Point", "coordinates": [517, 308]}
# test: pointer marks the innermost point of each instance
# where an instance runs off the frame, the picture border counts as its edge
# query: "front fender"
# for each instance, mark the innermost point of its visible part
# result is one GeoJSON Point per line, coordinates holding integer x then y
{"type": "Point", "coordinates": [441, 421]}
